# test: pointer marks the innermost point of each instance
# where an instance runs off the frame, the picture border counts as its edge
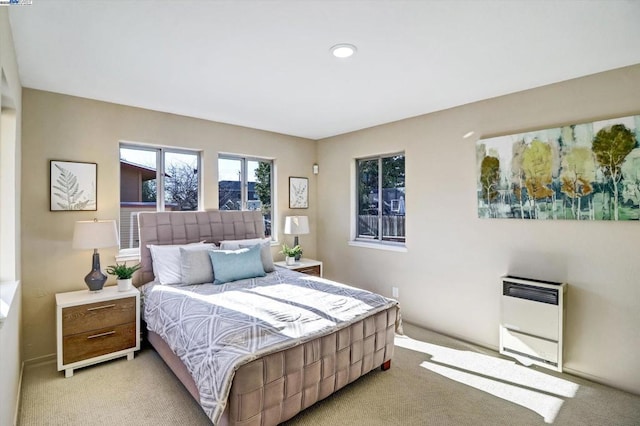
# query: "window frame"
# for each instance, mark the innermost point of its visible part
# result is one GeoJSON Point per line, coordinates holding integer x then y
{"type": "Point", "coordinates": [244, 185]}
{"type": "Point", "coordinates": [160, 153]}
{"type": "Point", "coordinates": [378, 241]}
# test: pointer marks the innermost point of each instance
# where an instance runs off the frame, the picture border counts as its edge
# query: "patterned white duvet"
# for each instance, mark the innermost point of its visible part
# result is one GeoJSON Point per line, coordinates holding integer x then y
{"type": "Point", "coordinates": [214, 329]}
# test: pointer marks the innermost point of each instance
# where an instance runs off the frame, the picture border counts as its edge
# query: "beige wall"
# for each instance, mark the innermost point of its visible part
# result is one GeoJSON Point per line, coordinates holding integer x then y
{"type": "Point", "coordinates": [10, 136]}
{"type": "Point", "coordinates": [68, 128]}
{"type": "Point", "coordinates": [449, 277]}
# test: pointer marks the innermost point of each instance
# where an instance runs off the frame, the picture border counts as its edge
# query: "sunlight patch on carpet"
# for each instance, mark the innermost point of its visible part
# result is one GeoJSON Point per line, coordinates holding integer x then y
{"type": "Point", "coordinates": [534, 390]}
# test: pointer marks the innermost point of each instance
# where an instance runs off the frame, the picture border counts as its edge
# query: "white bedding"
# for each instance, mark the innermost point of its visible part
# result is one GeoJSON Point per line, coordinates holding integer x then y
{"type": "Point", "coordinates": [214, 329]}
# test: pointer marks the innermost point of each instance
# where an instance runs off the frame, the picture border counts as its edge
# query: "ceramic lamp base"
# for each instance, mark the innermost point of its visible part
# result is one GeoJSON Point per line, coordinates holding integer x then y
{"type": "Point", "coordinates": [95, 279]}
{"type": "Point", "coordinates": [296, 243]}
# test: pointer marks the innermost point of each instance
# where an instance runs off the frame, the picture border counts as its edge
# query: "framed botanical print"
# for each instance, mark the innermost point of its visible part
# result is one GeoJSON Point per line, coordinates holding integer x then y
{"type": "Point", "coordinates": [73, 186]}
{"type": "Point", "coordinates": [298, 193]}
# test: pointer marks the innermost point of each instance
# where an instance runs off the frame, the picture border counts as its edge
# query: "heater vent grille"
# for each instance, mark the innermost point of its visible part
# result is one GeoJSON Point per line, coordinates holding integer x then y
{"type": "Point", "coordinates": [529, 292]}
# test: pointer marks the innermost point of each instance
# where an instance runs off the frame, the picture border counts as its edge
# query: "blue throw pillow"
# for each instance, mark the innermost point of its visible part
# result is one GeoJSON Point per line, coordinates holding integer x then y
{"type": "Point", "coordinates": [232, 265]}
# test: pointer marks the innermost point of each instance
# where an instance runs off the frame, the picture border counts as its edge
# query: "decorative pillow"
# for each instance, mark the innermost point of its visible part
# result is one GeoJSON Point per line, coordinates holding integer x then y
{"type": "Point", "coordinates": [265, 249]}
{"type": "Point", "coordinates": [232, 265]}
{"type": "Point", "coordinates": [265, 255]}
{"type": "Point", "coordinates": [165, 260]}
{"type": "Point", "coordinates": [196, 266]}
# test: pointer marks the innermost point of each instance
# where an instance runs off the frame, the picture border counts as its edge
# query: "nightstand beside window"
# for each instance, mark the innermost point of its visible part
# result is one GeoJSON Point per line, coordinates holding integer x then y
{"type": "Point", "coordinates": [96, 327]}
{"type": "Point", "coordinates": [304, 265]}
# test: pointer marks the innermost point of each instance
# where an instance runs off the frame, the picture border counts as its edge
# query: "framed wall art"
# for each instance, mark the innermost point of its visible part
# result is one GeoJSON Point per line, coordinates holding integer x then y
{"type": "Point", "coordinates": [298, 193]}
{"type": "Point", "coordinates": [587, 171]}
{"type": "Point", "coordinates": [73, 186]}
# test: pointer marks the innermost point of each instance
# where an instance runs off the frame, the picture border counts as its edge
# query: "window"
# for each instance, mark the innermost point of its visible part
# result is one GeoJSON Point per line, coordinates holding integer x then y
{"type": "Point", "coordinates": [10, 191]}
{"type": "Point", "coordinates": [155, 179]}
{"type": "Point", "coordinates": [381, 199]}
{"type": "Point", "coordinates": [246, 184]}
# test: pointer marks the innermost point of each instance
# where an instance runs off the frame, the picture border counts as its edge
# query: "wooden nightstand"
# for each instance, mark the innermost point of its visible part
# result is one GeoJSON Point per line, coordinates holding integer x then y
{"type": "Point", "coordinates": [306, 266]}
{"type": "Point", "coordinates": [96, 327]}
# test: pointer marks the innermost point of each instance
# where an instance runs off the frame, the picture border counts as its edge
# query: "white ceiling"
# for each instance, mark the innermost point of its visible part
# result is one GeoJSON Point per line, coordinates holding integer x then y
{"type": "Point", "coordinates": [266, 64]}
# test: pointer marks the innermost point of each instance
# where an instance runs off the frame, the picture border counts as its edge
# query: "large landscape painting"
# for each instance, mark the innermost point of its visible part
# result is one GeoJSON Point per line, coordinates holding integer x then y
{"type": "Point", "coordinates": [588, 171]}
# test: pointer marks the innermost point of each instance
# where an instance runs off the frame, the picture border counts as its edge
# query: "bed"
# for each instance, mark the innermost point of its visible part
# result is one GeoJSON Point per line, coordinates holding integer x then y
{"type": "Point", "coordinates": [301, 354]}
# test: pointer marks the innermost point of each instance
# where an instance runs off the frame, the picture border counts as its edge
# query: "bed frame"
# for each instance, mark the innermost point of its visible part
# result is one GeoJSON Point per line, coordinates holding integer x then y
{"type": "Point", "coordinates": [274, 388]}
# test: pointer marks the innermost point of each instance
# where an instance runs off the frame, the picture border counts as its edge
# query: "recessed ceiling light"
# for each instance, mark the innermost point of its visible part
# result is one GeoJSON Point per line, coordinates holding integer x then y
{"type": "Point", "coordinates": [343, 50]}
{"type": "Point", "coordinates": [469, 134]}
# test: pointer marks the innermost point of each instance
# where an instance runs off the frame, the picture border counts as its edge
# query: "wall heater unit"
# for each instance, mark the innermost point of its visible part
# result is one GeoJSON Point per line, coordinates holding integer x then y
{"type": "Point", "coordinates": [532, 321]}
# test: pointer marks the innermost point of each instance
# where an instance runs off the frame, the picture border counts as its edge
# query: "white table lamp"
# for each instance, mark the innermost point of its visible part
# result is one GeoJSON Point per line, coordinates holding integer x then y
{"type": "Point", "coordinates": [296, 225]}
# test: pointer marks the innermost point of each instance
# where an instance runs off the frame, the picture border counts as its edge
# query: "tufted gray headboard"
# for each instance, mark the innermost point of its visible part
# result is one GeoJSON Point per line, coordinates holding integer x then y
{"type": "Point", "coordinates": [191, 227]}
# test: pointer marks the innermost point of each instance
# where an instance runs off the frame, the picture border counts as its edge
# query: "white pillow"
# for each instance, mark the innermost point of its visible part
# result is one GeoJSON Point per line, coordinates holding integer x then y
{"type": "Point", "coordinates": [165, 260]}
{"type": "Point", "coordinates": [265, 249]}
{"type": "Point", "coordinates": [235, 244]}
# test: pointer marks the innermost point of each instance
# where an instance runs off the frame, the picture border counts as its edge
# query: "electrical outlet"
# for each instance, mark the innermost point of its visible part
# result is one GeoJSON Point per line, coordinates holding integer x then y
{"type": "Point", "coordinates": [395, 292]}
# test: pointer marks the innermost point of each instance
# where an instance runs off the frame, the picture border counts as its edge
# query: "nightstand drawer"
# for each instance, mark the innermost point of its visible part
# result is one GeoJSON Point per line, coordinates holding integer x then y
{"type": "Point", "coordinates": [98, 342]}
{"type": "Point", "coordinates": [310, 270]}
{"type": "Point", "coordinates": [84, 318]}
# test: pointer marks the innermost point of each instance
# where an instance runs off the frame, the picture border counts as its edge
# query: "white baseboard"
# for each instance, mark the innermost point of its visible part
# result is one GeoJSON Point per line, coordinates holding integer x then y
{"type": "Point", "coordinates": [40, 360]}
{"type": "Point", "coordinates": [565, 369]}
{"type": "Point", "coordinates": [598, 379]}
{"type": "Point", "coordinates": [19, 400]}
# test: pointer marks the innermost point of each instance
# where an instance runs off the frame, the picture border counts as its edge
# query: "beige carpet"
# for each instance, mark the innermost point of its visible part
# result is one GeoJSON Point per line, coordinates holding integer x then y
{"type": "Point", "coordinates": [434, 380]}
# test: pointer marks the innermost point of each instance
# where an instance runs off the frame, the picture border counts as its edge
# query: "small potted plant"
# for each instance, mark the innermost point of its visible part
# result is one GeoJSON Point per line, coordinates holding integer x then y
{"type": "Point", "coordinates": [291, 254]}
{"type": "Point", "coordinates": [123, 273]}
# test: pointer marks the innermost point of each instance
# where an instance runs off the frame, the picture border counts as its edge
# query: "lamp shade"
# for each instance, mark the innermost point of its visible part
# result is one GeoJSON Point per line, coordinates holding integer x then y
{"type": "Point", "coordinates": [95, 234]}
{"type": "Point", "coordinates": [296, 225]}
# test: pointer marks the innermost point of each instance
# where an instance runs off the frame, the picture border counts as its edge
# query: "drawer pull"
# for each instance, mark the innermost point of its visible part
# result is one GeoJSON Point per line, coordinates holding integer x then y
{"type": "Point", "coordinates": [101, 307]}
{"type": "Point", "coordinates": [108, 333]}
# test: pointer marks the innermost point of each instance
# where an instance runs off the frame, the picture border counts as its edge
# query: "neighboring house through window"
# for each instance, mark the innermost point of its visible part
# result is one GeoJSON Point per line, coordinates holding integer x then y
{"type": "Point", "coordinates": [381, 199]}
{"type": "Point", "coordinates": [246, 184]}
{"type": "Point", "coordinates": [155, 179]}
